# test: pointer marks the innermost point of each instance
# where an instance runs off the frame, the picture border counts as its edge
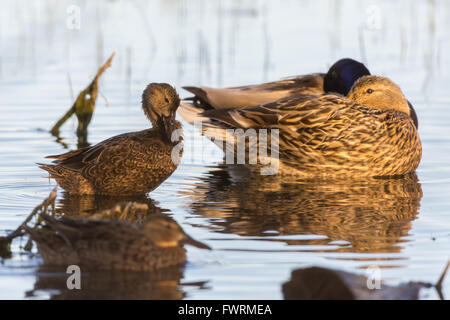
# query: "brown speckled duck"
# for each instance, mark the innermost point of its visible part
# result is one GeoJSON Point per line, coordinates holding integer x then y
{"type": "Point", "coordinates": [130, 163]}
{"type": "Point", "coordinates": [112, 244]}
{"type": "Point", "coordinates": [371, 132]}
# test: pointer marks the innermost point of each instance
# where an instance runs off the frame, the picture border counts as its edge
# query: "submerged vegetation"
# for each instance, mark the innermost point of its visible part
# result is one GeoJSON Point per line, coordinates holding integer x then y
{"type": "Point", "coordinates": [46, 206]}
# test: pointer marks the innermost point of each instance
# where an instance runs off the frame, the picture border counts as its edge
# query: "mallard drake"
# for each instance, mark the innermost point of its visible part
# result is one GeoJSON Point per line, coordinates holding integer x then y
{"type": "Point", "coordinates": [127, 164]}
{"type": "Point", "coordinates": [112, 244]}
{"type": "Point", "coordinates": [370, 132]}
{"type": "Point", "coordinates": [339, 79]}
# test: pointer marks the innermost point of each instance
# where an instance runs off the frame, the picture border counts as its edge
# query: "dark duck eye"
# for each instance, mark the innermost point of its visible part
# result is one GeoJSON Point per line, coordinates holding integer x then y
{"type": "Point", "coordinates": [167, 100]}
{"type": "Point", "coordinates": [369, 91]}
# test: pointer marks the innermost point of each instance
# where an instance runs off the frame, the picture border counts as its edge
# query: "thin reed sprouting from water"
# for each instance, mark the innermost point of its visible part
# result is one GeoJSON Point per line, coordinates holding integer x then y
{"type": "Point", "coordinates": [219, 42]}
{"type": "Point", "coordinates": [203, 59]}
{"type": "Point", "coordinates": [22, 37]}
{"type": "Point", "coordinates": [99, 36]}
{"type": "Point", "coordinates": [334, 31]}
{"type": "Point", "coordinates": [1, 48]}
{"type": "Point", "coordinates": [69, 82]}
{"type": "Point", "coordinates": [429, 53]}
{"type": "Point", "coordinates": [233, 34]}
{"type": "Point", "coordinates": [153, 45]}
{"type": "Point", "coordinates": [129, 70]}
{"type": "Point", "coordinates": [181, 54]}
{"type": "Point", "coordinates": [266, 44]}
{"type": "Point", "coordinates": [403, 46]}
{"type": "Point", "coordinates": [362, 44]}
{"type": "Point", "coordinates": [414, 34]}
{"type": "Point", "coordinates": [33, 40]}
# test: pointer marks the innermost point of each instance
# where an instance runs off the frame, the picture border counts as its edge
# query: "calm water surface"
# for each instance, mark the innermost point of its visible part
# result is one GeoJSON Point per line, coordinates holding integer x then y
{"type": "Point", "coordinates": [260, 228]}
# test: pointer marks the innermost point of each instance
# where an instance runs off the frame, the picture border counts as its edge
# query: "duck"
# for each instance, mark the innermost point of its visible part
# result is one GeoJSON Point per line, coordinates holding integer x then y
{"type": "Point", "coordinates": [105, 244]}
{"type": "Point", "coordinates": [132, 163]}
{"type": "Point", "coordinates": [339, 79]}
{"type": "Point", "coordinates": [369, 132]}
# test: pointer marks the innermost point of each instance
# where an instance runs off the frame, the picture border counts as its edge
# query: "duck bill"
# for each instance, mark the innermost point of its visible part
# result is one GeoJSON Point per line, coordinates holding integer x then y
{"type": "Point", "coordinates": [188, 240]}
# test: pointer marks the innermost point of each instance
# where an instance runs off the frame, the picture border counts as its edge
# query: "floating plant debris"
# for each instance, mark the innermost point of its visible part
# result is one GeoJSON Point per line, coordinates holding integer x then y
{"type": "Point", "coordinates": [83, 108]}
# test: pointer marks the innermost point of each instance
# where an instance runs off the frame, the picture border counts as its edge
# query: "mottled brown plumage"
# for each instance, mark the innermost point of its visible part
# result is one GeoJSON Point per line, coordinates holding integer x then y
{"type": "Point", "coordinates": [130, 163]}
{"type": "Point", "coordinates": [329, 135]}
{"type": "Point", "coordinates": [112, 244]}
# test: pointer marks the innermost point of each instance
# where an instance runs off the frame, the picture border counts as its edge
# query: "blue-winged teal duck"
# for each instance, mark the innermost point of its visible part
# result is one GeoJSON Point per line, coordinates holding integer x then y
{"type": "Point", "coordinates": [130, 163]}
{"type": "Point", "coordinates": [112, 244]}
{"type": "Point", "coordinates": [370, 132]}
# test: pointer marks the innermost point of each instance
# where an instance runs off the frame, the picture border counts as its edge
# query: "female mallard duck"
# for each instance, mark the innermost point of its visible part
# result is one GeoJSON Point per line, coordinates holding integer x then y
{"type": "Point", "coordinates": [370, 132]}
{"type": "Point", "coordinates": [130, 163]}
{"type": "Point", "coordinates": [112, 244]}
{"type": "Point", "coordinates": [339, 79]}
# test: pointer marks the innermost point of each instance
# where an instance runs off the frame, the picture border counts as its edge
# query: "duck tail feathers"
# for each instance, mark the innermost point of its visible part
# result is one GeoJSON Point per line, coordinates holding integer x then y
{"type": "Point", "coordinates": [190, 113]}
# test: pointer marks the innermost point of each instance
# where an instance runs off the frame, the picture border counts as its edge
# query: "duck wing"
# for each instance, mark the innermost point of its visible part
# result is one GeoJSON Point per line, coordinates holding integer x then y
{"type": "Point", "coordinates": [120, 145]}
{"type": "Point", "coordinates": [272, 114]}
{"type": "Point", "coordinates": [67, 155]}
{"type": "Point", "coordinates": [238, 97]}
{"type": "Point", "coordinates": [240, 117]}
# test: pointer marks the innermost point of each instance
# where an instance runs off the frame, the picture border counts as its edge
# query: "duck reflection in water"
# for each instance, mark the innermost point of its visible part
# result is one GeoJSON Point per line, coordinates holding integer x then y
{"type": "Point", "coordinates": [158, 284]}
{"type": "Point", "coordinates": [150, 267]}
{"type": "Point", "coordinates": [370, 215]}
{"type": "Point", "coordinates": [111, 207]}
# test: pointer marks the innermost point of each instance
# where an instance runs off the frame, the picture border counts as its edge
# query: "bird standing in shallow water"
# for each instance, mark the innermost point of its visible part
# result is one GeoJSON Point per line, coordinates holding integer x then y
{"type": "Point", "coordinates": [369, 133]}
{"type": "Point", "coordinates": [112, 244]}
{"type": "Point", "coordinates": [130, 163]}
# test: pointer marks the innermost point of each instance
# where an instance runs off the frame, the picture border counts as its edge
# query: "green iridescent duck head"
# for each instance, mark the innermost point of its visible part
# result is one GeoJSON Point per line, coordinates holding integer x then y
{"type": "Point", "coordinates": [342, 75]}
{"type": "Point", "coordinates": [379, 93]}
{"type": "Point", "coordinates": [160, 102]}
